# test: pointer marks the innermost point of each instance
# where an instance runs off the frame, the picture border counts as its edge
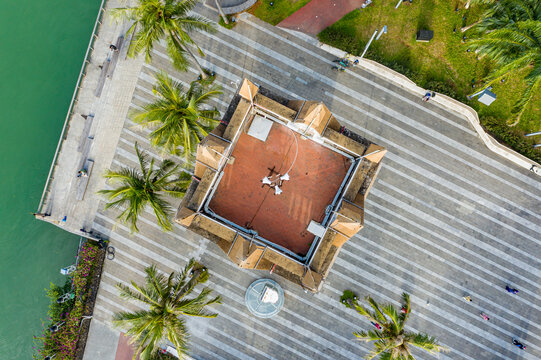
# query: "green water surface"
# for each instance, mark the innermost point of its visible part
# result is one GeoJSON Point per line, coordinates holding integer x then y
{"type": "Point", "coordinates": [42, 44]}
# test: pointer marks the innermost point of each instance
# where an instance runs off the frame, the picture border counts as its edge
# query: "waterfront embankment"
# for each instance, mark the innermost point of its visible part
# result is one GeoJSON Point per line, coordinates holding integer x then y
{"type": "Point", "coordinates": [42, 44]}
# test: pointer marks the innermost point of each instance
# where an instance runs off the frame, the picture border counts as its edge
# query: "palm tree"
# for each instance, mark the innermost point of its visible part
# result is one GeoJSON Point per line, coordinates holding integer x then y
{"type": "Point", "coordinates": [392, 341]}
{"type": "Point", "coordinates": [138, 188]}
{"type": "Point", "coordinates": [165, 301]}
{"type": "Point", "coordinates": [179, 119]}
{"type": "Point", "coordinates": [169, 19]}
{"type": "Point", "coordinates": [510, 35]}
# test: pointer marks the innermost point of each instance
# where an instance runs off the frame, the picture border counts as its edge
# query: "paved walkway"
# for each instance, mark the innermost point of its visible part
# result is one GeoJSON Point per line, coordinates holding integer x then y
{"type": "Point", "coordinates": [446, 217]}
{"type": "Point", "coordinates": [318, 14]}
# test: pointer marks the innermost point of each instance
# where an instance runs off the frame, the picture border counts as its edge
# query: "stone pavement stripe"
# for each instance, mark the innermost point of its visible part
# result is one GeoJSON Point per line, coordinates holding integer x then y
{"type": "Point", "coordinates": [517, 218]}
{"type": "Point", "coordinates": [433, 146]}
{"type": "Point", "coordinates": [221, 315]}
{"type": "Point", "coordinates": [455, 232]}
{"type": "Point", "coordinates": [413, 288]}
{"type": "Point", "coordinates": [419, 303]}
{"type": "Point", "coordinates": [344, 120]}
{"type": "Point", "coordinates": [282, 40]}
{"type": "Point", "coordinates": [111, 289]}
{"type": "Point", "coordinates": [450, 154]}
{"type": "Point", "coordinates": [434, 134]}
{"type": "Point", "coordinates": [248, 54]}
{"type": "Point", "coordinates": [220, 257]}
{"type": "Point", "coordinates": [101, 309]}
{"type": "Point", "coordinates": [449, 229]}
{"type": "Point", "coordinates": [324, 79]}
{"type": "Point", "coordinates": [167, 263]}
{"type": "Point", "coordinates": [349, 72]}
{"type": "Point", "coordinates": [301, 80]}
{"type": "Point", "coordinates": [457, 267]}
{"type": "Point", "coordinates": [469, 328]}
{"type": "Point", "coordinates": [509, 247]}
{"type": "Point", "coordinates": [454, 187]}
{"type": "Point", "coordinates": [454, 200]}
{"type": "Point", "coordinates": [476, 154]}
{"type": "Point", "coordinates": [124, 307]}
{"type": "Point", "coordinates": [390, 259]}
{"type": "Point", "coordinates": [479, 169]}
{"type": "Point", "coordinates": [392, 215]}
{"type": "Point", "coordinates": [282, 320]}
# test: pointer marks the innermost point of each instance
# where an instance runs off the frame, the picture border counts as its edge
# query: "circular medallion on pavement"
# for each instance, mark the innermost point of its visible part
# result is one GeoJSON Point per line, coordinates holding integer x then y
{"type": "Point", "coordinates": [264, 298]}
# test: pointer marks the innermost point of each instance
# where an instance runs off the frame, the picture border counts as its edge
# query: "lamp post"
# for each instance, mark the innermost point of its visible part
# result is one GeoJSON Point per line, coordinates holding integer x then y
{"type": "Point", "coordinates": [221, 12]}
{"type": "Point", "coordinates": [383, 30]}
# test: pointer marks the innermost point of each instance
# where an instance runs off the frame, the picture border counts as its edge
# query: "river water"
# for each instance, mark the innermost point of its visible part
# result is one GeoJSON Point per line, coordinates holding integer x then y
{"type": "Point", "coordinates": [42, 44]}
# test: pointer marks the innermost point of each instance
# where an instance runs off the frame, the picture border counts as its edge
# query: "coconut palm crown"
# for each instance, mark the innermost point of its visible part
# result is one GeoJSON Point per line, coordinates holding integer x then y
{"type": "Point", "coordinates": [510, 35]}
{"type": "Point", "coordinates": [137, 188]}
{"type": "Point", "coordinates": [179, 118]}
{"type": "Point", "coordinates": [391, 340]}
{"type": "Point", "coordinates": [173, 20]}
{"type": "Point", "coordinates": [165, 301]}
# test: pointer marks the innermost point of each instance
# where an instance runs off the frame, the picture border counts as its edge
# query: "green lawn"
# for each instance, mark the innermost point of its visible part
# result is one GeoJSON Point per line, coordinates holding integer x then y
{"type": "Point", "coordinates": [443, 64]}
{"type": "Point", "coordinates": [279, 10]}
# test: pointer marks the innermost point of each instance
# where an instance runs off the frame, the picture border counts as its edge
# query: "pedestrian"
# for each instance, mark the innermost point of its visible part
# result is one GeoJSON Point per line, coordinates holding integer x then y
{"type": "Point", "coordinates": [468, 298]}
{"type": "Point", "coordinates": [378, 326]}
{"type": "Point", "coordinates": [519, 344]}
{"type": "Point", "coordinates": [511, 290]}
{"type": "Point", "coordinates": [404, 310]}
{"type": "Point", "coordinates": [426, 97]}
{"type": "Point", "coordinates": [484, 316]}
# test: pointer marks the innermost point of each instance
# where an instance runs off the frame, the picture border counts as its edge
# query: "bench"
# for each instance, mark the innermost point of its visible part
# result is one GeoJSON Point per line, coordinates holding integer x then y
{"type": "Point", "coordinates": [82, 181]}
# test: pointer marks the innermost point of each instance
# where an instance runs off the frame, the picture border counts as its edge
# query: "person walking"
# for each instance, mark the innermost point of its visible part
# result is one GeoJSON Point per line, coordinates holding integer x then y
{"type": "Point", "coordinates": [519, 344]}
{"type": "Point", "coordinates": [511, 290]}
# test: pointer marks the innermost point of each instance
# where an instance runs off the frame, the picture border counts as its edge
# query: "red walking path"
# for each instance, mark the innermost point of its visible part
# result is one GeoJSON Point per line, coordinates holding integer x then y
{"type": "Point", "coordinates": [319, 14]}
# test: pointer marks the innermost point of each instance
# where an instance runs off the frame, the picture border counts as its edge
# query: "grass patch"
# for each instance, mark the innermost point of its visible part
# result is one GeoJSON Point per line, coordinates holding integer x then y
{"type": "Point", "coordinates": [443, 64]}
{"type": "Point", "coordinates": [279, 10]}
{"type": "Point", "coordinates": [231, 24]}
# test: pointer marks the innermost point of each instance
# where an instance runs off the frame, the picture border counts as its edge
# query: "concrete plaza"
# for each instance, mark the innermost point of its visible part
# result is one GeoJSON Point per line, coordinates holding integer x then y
{"type": "Point", "coordinates": [445, 218]}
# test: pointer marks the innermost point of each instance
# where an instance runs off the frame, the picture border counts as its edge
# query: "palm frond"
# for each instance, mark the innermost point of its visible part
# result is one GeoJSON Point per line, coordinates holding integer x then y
{"type": "Point", "coordinates": [166, 296]}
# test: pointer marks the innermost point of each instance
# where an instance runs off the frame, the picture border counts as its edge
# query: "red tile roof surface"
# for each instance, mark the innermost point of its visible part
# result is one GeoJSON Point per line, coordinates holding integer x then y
{"type": "Point", "coordinates": [282, 219]}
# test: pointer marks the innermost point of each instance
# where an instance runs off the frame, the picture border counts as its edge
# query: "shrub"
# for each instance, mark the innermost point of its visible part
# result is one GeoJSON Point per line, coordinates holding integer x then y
{"type": "Point", "coordinates": [342, 37]}
{"type": "Point", "coordinates": [510, 137]}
